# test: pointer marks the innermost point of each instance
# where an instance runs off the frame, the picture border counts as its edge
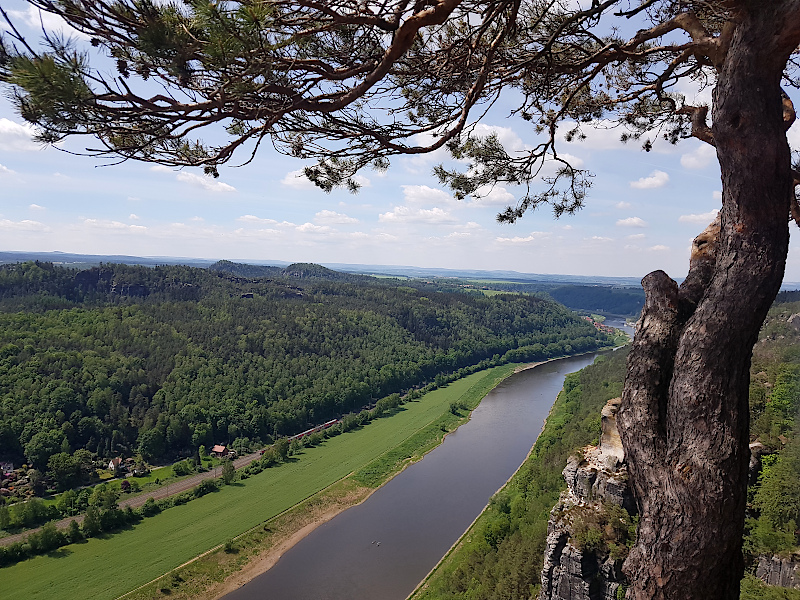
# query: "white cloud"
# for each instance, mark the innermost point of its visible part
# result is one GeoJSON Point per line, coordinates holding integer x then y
{"type": "Point", "coordinates": [600, 135]}
{"type": "Point", "coordinates": [356, 235]}
{"type": "Point", "coordinates": [635, 236]}
{"type": "Point", "coordinates": [423, 194]}
{"type": "Point", "coordinates": [599, 238]}
{"type": "Point", "coordinates": [255, 233]}
{"type": "Point", "coordinates": [259, 221]}
{"type": "Point", "coordinates": [205, 182]}
{"type": "Point", "coordinates": [694, 95]}
{"type": "Point", "coordinates": [17, 137]}
{"type": "Point", "coordinates": [570, 158]}
{"type": "Point", "coordinates": [333, 218]}
{"type": "Point", "coordinates": [196, 219]}
{"type": "Point", "coordinates": [793, 135]}
{"type": "Point", "coordinates": [533, 237]}
{"type": "Point", "coordinates": [37, 19]}
{"type": "Point", "coordinates": [5, 170]}
{"type": "Point", "coordinates": [298, 180]}
{"type": "Point", "coordinates": [492, 195]}
{"type": "Point", "coordinates": [133, 217]}
{"type": "Point", "coordinates": [24, 225]}
{"type": "Point", "coordinates": [311, 228]}
{"type": "Point", "coordinates": [255, 219]}
{"type": "Point", "coordinates": [717, 195]}
{"type": "Point", "coordinates": [622, 205]}
{"type": "Point", "coordinates": [699, 158]}
{"type": "Point", "coordinates": [656, 179]}
{"type": "Point", "coordinates": [632, 222]}
{"type": "Point", "coordinates": [405, 214]}
{"type": "Point", "coordinates": [419, 163]}
{"type": "Point", "coordinates": [36, 207]}
{"type": "Point", "coordinates": [551, 167]}
{"type": "Point", "coordinates": [115, 226]}
{"type": "Point", "coordinates": [208, 183]}
{"type": "Point", "coordinates": [511, 142]}
{"type": "Point", "coordinates": [699, 218]}
{"type": "Point", "coordinates": [362, 181]}
{"type": "Point", "coordinates": [659, 248]}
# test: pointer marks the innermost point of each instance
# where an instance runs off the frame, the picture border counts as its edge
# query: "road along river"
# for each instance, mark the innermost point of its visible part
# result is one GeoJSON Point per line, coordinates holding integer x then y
{"type": "Point", "coordinates": [382, 548]}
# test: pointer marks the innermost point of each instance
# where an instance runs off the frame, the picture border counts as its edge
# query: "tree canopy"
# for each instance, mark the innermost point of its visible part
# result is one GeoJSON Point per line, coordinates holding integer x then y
{"type": "Point", "coordinates": [352, 84]}
{"type": "Point", "coordinates": [125, 359]}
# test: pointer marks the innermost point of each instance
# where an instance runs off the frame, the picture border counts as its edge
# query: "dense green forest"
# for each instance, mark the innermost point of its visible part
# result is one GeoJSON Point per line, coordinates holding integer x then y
{"type": "Point", "coordinates": [125, 359]}
{"type": "Point", "coordinates": [775, 422]}
{"type": "Point", "coordinates": [616, 301]}
{"type": "Point", "coordinates": [613, 300]}
{"type": "Point", "coordinates": [502, 557]}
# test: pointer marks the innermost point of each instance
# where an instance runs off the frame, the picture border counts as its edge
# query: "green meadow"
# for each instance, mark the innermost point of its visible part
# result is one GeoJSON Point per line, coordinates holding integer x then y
{"type": "Point", "coordinates": [111, 566]}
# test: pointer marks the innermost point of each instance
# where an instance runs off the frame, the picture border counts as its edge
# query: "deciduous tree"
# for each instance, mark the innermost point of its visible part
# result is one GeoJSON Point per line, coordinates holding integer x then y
{"type": "Point", "coordinates": [352, 84]}
{"type": "Point", "coordinates": [228, 472]}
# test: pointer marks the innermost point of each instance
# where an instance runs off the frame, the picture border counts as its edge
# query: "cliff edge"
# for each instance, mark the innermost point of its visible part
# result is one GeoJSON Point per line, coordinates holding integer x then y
{"type": "Point", "coordinates": [590, 526]}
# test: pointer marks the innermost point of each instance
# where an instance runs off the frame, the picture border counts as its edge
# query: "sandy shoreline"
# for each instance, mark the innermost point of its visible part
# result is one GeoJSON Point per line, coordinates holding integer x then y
{"type": "Point", "coordinates": [266, 559]}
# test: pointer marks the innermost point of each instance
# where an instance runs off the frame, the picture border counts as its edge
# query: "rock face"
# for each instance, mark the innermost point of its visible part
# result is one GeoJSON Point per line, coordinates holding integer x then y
{"type": "Point", "coordinates": [784, 572]}
{"type": "Point", "coordinates": [610, 442]}
{"type": "Point", "coordinates": [598, 478]}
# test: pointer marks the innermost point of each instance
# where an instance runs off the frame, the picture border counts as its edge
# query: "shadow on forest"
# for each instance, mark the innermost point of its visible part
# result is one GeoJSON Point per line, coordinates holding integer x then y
{"type": "Point", "coordinates": [62, 552]}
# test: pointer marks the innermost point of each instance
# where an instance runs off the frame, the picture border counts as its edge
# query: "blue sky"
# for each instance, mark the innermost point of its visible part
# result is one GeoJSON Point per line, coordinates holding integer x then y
{"type": "Point", "coordinates": [642, 212]}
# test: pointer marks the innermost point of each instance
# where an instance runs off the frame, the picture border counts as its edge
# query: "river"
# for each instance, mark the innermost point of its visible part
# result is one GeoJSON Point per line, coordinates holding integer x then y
{"type": "Point", "coordinates": [382, 548]}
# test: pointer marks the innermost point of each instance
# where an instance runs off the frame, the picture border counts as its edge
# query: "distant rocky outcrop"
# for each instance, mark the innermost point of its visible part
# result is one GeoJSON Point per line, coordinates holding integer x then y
{"type": "Point", "coordinates": [293, 271]}
{"type": "Point", "coordinates": [774, 570]}
{"type": "Point", "coordinates": [577, 565]}
{"type": "Point", "coordinates": [246, 270]}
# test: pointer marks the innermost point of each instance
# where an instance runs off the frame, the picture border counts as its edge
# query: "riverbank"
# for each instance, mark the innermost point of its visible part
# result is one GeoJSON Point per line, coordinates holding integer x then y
{"type": "Point", "coordinates": [228, 566]}
{"type": "Point", "coordinates": [257, 551]}
{"type": "Point", "coordinates": [512, 529]}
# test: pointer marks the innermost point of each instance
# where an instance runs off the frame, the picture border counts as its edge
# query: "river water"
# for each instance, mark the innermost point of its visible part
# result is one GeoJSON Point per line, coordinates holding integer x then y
{"type": "Point", "coordinates": [382, 548]}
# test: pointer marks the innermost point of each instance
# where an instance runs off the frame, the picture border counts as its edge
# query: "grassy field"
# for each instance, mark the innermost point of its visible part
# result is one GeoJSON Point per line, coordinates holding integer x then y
{"type": "Point", "coordinates": [109, 567]}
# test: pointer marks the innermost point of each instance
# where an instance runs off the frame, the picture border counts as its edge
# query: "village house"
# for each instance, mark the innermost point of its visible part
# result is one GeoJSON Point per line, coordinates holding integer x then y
{"type": "Point", "coordinates": [219, 451]}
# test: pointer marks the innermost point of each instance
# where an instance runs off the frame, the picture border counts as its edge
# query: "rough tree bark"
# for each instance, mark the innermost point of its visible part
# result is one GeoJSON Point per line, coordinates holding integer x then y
{"type": "Point", "coordinates": [684, 419]}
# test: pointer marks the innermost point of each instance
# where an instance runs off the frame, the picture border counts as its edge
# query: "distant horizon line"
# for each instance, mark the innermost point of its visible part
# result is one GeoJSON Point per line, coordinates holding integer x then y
{"type": "Point", "coordinates": [361, 268]}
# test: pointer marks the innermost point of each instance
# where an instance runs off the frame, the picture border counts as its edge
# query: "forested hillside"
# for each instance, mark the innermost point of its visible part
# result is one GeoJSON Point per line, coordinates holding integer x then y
{"type": "Point", "coordinates": [616, 301]}
{"type": "Point", "coordinates": [775, 423]}
{"type": "Point", "coordinates": [121, 359]}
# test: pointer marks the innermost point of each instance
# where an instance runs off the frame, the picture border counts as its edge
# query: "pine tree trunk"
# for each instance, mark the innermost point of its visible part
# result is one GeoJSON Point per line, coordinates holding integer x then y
{"type": "Point", "coordinates": [684, 419]}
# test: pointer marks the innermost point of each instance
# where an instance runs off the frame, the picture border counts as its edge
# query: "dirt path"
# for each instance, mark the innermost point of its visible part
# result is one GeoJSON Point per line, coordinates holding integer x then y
{"type": "Point", "coordinates": [165, 491]}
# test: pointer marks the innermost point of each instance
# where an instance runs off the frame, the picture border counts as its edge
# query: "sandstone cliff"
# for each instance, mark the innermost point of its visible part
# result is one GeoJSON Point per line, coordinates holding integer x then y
{"type": "Point", "coordinates": [588, 530]}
